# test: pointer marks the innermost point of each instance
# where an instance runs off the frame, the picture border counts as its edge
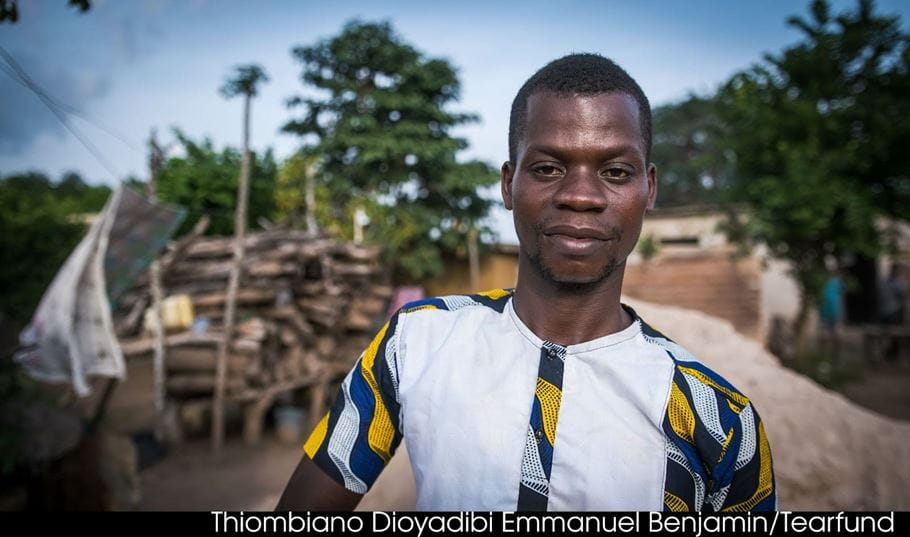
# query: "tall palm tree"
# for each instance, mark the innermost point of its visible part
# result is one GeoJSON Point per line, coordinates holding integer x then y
{"type": "Point", "coordinates": [244, 81]}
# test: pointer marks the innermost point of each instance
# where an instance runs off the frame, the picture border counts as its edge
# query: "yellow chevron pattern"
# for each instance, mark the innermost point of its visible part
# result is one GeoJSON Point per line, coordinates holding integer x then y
{"type": "Point", "coordinates": [495, 294]}
{"type": "Point", "coordinates": [550, 397]}
{"type": "Point", "coordinates": [418, 308]}
{"type": "Point", "coordinates": [317, 437]}
{"type": "Point", "coordinates": [765, 475]}
{"type": "Point", "coordinates": [381, 430]}
{"type": "Point", "coordinates": [737, 397]}
{"type": "Point", "coordinates": [723, 450]}
{"type": "Point", "coordinates": [680, 414]}
{"type": "Point", "coordinates": [675, 503]}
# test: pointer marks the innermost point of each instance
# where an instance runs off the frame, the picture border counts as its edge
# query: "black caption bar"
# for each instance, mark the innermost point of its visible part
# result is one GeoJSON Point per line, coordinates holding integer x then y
{"type": "Point", "coordinates": [783, 523]}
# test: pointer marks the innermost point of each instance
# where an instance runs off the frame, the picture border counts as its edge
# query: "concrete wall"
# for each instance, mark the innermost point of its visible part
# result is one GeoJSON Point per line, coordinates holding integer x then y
{"type": "Point", "coordinates": [711, 282]}
{"type": "Point", "coordinates": [498, 269]}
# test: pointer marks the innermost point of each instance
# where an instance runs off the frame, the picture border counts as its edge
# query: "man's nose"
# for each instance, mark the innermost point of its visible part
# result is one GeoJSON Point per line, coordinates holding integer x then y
{"type": "Point", "coordinates": [581, 190]}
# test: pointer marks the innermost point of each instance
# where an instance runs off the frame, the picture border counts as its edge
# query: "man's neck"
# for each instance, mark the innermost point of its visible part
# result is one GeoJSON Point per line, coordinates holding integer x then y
{"type": "Point", "coordinates": [568, 316]}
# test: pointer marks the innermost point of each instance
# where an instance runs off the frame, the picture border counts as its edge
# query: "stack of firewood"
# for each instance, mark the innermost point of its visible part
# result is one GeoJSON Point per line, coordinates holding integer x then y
{"type": "Point", "coordinates": [306, 307]}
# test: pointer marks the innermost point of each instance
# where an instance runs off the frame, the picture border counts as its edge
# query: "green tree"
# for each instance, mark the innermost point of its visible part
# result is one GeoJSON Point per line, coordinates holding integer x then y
{"type": "Point", "coordinates": [820, 141]}
{"type": "Point", "coordinates": [688, 150]}
{"type": "Point", "coordinates": [205, 181]}
{"type": "Point", "coordinates": [295, 176]}
{"type": "Point", "coordinates": [39, 227]}
{"type": "Point", "coordinates": [381, 126]}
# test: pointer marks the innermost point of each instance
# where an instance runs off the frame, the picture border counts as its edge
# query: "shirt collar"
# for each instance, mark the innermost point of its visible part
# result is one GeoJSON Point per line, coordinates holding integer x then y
{"type": "Point", "coordinates": [615, 338]}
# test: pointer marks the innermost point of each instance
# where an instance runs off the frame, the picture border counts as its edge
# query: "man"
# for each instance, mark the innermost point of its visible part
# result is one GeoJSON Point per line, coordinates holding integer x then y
{"type": "Point", "coordinates": [554, 395]}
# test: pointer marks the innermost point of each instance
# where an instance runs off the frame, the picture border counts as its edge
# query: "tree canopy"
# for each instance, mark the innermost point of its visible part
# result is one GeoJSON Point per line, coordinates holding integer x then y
{"type": "Point", "coordinates": [693, 166]}
{"type": "Point", "coordinates": [819, 139]}
{"type": "Point", "coordinates": [245, 80]}
{"type": "Point", "coordinates": [380, 123]}
{"type": "Point", "coordinates": [40, 224]}
{"type": "Point", "coordinates": [204, 181]}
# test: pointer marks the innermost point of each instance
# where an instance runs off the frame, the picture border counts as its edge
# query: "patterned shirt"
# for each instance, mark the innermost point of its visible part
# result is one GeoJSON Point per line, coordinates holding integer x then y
{"type": "Point", "coordinates": [497, 419]}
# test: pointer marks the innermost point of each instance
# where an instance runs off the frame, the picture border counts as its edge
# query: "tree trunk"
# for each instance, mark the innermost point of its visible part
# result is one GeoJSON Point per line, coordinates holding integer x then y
{"type": "Point", "coordinates": [358, 225]}
{"type": "Point", "coordinates": [473, 259]}
{"type": "Point", "coordinates": [240, 216]}
{"type": "Point", "coordinates": [310, 199]}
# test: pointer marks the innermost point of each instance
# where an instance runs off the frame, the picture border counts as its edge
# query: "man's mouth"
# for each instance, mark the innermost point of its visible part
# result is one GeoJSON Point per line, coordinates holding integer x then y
{"type": "Point", "coordinates": [577, 232]}
{"type": "Point", "coordinates": [573, 240]}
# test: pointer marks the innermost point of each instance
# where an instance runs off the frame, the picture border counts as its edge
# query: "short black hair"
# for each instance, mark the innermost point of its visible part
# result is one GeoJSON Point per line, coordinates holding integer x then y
{"type": "Point", "coordinates": [578, 74]}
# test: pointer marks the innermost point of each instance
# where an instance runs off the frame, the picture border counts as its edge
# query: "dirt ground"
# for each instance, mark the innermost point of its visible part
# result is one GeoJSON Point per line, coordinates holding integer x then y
{"type": "Point", "coordinates": [244, 479]}
{"type": "Point", "coordinates": [884, 388]}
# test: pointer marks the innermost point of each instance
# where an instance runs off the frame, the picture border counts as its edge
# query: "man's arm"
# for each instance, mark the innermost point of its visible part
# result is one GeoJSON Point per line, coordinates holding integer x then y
{"type": "Point", "coordinates": [349, 447]}
{"type": "Point", "coordinates": [310, 489]}
{"type": "Point", "coordinates": [752, 487]}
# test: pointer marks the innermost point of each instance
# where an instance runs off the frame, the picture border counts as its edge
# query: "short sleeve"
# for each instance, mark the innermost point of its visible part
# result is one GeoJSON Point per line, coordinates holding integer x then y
{"type": "Point", "coordinates": [358, 436]}
{"type": "Point", "coordinates": [750, 486]}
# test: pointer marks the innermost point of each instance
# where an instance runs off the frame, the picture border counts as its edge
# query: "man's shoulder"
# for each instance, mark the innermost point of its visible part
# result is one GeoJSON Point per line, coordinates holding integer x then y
{"type": "Point", "coordinates": [494, 300]}
{"type": "Point", "coordinates": [691, 376]}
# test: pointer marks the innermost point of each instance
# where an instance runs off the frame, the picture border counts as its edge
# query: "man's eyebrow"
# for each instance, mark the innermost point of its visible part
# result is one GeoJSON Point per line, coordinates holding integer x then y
{"type": "Point", "coordinates": [543, 148]}
{"type": "Point", "coordinates": [559, 152]}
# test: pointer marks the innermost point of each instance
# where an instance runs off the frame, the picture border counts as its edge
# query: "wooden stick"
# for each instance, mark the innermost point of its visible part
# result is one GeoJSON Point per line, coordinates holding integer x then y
{"type": "Point", "coordinates": [233, 283]}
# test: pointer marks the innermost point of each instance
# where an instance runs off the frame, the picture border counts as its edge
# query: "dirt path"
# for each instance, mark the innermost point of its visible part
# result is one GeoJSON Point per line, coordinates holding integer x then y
{"type": "Point", "coordinates": [884, 388]}
{"type": "Point", "coordinates": [245, 479]}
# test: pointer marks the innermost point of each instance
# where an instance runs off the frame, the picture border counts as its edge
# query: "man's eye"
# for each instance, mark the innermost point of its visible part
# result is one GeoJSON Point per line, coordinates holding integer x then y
{"type": "Point", "coordinates": [547, 170]}
{"type": "Point", "coordinates": [617, 173]}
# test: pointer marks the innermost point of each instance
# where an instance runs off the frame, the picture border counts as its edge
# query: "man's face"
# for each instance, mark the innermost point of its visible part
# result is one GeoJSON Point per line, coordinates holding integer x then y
{"type": "Point", "coordinates": [580, 185]}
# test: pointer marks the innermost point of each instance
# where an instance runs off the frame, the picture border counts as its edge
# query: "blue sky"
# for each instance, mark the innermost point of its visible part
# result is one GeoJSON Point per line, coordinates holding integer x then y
{"type": "Point", "coordinates": [134, 65]}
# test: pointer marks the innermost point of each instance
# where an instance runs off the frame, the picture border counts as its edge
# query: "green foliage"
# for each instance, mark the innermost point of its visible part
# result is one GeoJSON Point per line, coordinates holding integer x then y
{"type": "Point", "coordinates": [691, 162]}
{"type": "Point", "coordinates": [205, 182]}
{"type": "Point", "coordinates": [40, 223]}
{"type": "Point", "coordinates": [244, 81]}
{"type": "Point", "coordinates": [381, 126]}
{"type": "Point", "coordinates": [831, 370]}
{"type": "Point", "coordinates": [290, 191]}
{"type": "Point", "coordinates": [819, 139]}
{"type": "Point", "coordinates": [647, 247]}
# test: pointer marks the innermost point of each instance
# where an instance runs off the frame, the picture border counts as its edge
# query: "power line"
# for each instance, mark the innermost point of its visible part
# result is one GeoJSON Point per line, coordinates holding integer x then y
{"type": "Point", "coordinates": [28, 83]}
{"type": "Point", "coordinates": [20, 76]}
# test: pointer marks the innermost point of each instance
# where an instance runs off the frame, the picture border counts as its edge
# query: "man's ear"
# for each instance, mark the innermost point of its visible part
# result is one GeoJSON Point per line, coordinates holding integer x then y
{"type": "Point", "coordinates": [505, 175]}
{"type": "Point", "coordinates": [652, 186]}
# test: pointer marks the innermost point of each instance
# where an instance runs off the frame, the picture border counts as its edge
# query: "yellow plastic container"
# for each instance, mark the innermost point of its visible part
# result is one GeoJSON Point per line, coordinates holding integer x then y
{"type": "Point", "coordinates": [176, 313]}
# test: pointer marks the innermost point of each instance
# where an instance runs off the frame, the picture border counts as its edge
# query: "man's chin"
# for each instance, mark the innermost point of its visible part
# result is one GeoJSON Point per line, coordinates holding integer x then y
{"type": "Point", "coordinates": [577, 278]}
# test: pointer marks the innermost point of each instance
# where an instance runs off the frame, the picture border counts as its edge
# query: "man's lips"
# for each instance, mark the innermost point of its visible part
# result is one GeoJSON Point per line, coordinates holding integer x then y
{"type": "Point", "coordinates": [582, 233]}
{"type": "Point", "coordinates": [575, 241]}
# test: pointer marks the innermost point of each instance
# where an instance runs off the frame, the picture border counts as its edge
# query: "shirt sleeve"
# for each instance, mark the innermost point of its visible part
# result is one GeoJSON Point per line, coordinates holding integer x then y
{"type": "Point", "coordinates": [747, 484]}
{"type": "Point", "coordinates": [358, 436]}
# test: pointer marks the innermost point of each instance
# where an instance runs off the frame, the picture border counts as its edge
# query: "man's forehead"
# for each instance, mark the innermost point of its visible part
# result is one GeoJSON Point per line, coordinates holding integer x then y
{"type": "Point", "coordinates": [599, 104]}
{"type": "Point", "coordinates": [573, 117]}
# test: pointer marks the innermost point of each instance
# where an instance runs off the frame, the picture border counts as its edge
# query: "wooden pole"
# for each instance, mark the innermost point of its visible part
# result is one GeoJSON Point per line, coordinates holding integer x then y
{"type": "Point", "coordinates": [156, 160]}
{"type": "Point", "coordinates": [473, 259]}
{"type": "Point", "coordinates": [230, 306]}
{"type": "Point", "coordinates": [310, 199]}
{"type": "Point", "coordinates": [358, 224]}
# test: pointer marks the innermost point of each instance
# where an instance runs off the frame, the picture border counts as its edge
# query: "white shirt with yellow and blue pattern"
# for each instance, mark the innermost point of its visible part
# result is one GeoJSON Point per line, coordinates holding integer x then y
{"type": "Point", "coordinates": [497, 419]}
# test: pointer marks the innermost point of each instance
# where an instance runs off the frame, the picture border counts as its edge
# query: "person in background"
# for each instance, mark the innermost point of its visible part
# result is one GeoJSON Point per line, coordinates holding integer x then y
{"type": "Point", "coordinates": [831, 313]}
